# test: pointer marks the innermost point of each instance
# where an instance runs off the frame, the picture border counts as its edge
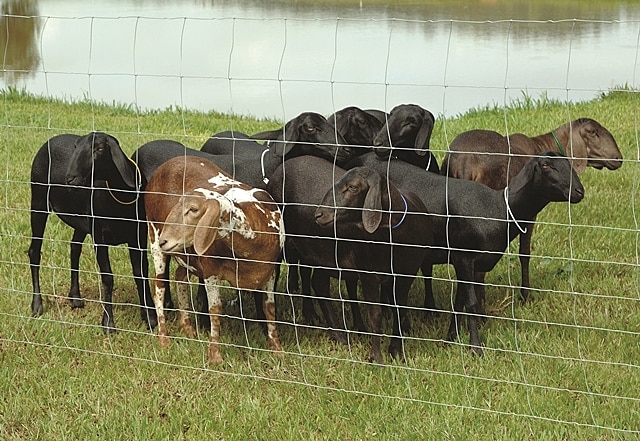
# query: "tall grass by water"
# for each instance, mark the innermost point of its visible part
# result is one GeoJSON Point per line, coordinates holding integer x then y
{"type": "Point", "coordinates": [564, 366]}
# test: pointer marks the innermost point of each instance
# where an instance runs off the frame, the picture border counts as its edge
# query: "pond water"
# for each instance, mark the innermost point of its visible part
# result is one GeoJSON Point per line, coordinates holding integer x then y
{"type": "Point", "coordinates": [279, 58]}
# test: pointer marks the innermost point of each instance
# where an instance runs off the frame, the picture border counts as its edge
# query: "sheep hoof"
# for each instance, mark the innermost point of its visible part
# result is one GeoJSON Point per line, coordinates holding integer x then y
{"type": "Point", "coordinates": [214, 356]}
{"type": "Point", "coordinates": [77, 302]}
{"type": "Point", "coordinates": [476, 349]}
{"type": "Point", "coordinates": [149, 317]}
{"type": "Point", "coordinates": [339, 337]}
{"type": "Point", "coordinates": [164, 341]}
{"type": "Point", "coordinates": [188, 330]}
{"type": "Point", "coordinates": [108, 325]}
{"type": "Point", "coordinates": [376, 358]}
{"type": "Point", "coordinates": [397, 354]}
{"type": "Point", "coordinates": [37, 309]}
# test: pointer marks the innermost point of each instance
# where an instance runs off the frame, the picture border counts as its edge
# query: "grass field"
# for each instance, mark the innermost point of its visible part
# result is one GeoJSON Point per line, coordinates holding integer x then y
{"type": "Point", "coordinates": [564, 366]}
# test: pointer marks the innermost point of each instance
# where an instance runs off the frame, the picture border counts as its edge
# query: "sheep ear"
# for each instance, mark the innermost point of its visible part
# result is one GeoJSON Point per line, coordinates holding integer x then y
{"type": "Point", "coordinates": [276, 146]}
{"type": "Point", "coordinates": [424, 134]}
{"type": "Point", "coordinates": [372, 208]}
{"type": "Point", "coordinates": [125, 167]}
{"type": "Point", "coordinates": [207, 228]}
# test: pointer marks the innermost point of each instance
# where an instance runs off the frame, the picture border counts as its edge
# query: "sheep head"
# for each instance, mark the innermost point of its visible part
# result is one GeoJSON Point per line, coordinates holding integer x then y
{"type": "Point", "coordinates": [98, 155]}
{"type": "Point", "coordinates": [408, 126]}
{"type": "Point", "coordinates": [192, 222]}
{"type": "Point", "coordinates": [356, 199]}
{"type": "Point", "coordinates": [601, 147]}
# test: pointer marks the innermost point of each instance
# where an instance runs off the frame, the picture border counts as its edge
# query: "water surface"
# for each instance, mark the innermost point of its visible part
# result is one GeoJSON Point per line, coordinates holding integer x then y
{"type": "Point", "coordinates": [277, 59]}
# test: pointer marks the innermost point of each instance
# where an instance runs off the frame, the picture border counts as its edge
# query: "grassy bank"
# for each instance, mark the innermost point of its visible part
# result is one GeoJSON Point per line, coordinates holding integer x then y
{"type": "Point", "coordinates": [564, 366]}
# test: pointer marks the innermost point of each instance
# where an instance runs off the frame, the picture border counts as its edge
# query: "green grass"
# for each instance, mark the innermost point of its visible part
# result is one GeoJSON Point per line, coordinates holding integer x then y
{"type": "Point", "coordinates": [564, 366]}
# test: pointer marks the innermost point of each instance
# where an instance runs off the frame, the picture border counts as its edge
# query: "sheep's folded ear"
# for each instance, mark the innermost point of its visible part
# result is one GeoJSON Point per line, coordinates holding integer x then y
{"type": "Point", "coordinates": [424, 134]}
{"type": "Point", "coordinates": [276, 146]}
{"type": "Point", "coordinates": [207, 228]}
{"type": "Point", "coordinates": [125, 166]}
{"type": "Point", "coordinates": [372, 208]}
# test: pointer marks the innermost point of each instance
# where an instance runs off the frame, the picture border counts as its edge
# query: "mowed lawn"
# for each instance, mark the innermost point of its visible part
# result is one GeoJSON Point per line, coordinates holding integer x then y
{"type": "Point", "coordinates": [564, 366]}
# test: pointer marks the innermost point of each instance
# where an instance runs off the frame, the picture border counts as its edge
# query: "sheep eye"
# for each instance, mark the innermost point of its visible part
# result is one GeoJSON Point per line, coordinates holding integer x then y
{"type": "Point", "coordinates": [310, 129]}
{"type": "Point", "coordinates": [352, 188]}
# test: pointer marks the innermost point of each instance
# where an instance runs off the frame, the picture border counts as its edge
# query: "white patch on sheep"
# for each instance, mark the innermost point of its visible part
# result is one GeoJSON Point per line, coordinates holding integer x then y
{"type": "Point", "coordinates": [280, 228]}
{"type": "Point", "coordinates": [222, 180]}
{"type": "Point", "coordinates": [228, 210]}
{"type": "Point", "coordinates": [209, 194]}
{"type": "Point", "coordinates": [156, 252]}
{"type": "Point", "coordinates": [239, 195]}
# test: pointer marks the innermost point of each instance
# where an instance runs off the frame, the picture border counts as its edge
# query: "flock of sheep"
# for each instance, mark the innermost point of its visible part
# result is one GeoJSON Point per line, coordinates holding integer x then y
{"type": "Point", "coordinates": [357, 195]}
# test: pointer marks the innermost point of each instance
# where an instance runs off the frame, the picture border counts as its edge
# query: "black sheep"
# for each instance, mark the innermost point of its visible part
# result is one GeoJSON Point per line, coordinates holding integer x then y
{"type": "Point", "coordinates": [94, 188]}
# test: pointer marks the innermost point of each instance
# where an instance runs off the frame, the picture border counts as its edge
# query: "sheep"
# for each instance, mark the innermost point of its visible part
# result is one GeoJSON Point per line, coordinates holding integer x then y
{"type": "Point", "coordinates": [395, 246]}
{"type": "Point", "coordinates": [358, 127]}
{"type": "Point", "coordinates": [406, 136]}
{"type": "Point", "coordinates": [307, 134]}
{"type": "Point", "coordinates": [252, 170]}
{"type": "Point", "coordinates": [218, 229]}
{"type": "Point", "coordinates": [231, 143]}
{"type": "Point", "coordinates": [473, 224]}
{"type": "Point", "coordinates": [94, 188]}
{"type": "Point", "coordinates": [487, 157]}
{"type": "Point", "coordinates": [372, 221]}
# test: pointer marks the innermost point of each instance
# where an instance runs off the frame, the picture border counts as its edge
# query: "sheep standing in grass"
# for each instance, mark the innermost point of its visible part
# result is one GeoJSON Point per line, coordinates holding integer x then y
{"type": "Point", "coordinates": [218, 229]}
{"type": "Point", "coordinates": [494, 160]}
{"type": "Point", "coordinates": [93, 187]}
{"type": "Point", "coordinates": [473, 224]}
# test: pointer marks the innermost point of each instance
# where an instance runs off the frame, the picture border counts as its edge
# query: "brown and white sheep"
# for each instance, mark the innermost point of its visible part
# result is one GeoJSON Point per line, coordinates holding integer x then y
{"type": "Point", "coordinates": [218, 229]}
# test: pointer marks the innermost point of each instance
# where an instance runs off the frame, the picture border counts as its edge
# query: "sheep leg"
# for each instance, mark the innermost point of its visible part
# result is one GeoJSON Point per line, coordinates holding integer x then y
{"type": "Point", "coordinates": [76, 250]}
{"type": "Point", "coordinates": [454, 326]}
{"type": "Point", "coordinates": [106, 275]}
{"type": "Point", "coordinates": [371, 294]}
{"type": "Point", "coordinates": [38, 219]}
{"type": "Point", "coordinates": [400, 295]}
{"type": "Point", "coordinates": [320, 282]}
{"type": "Point", "coordinates": [429, 301]}
{"type": "Point", "coordinates": [466, 299]}
{"type": "Point", "coordinates": [184, 305]}
{"type": "Point", "coordinates": [479, 288]}
{"type": "Point", "coordinates": [292, 278]}
{"type": "Point", "coordinates": [525, 256]}
{"type": "Point", "coordinates": [215, 310]}
{"type": "Point", "coordinates": [352, 291]}
{"type": "Point", "coordinates": [269, 308]}
{"type": "Point", "coordinates": [140, 269]}
{"type": "Point", "coordinates": [387, 296]}
{"type": "Point", "coordinates": [160, 283]}
{"type": "Point", "coordinates": [308, 309]}
{"type": "Point", "coordinates": [203, 306]}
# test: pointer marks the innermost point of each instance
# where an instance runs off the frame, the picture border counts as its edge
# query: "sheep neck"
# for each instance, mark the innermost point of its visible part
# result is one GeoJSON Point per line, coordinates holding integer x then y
{"type": "Point", "coordinates": [560, 148]}
{"type": "Point", "coordinates": [510, 213]}
{"type": "Point", "coordinates": [124, 186]}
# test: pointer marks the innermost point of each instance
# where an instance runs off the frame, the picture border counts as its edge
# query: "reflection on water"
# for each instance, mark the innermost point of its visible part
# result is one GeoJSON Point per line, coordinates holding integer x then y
{"type": "Point", "coordinates": [20, 27]}
{"type": "Point", "coordinates": [280, 58]}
